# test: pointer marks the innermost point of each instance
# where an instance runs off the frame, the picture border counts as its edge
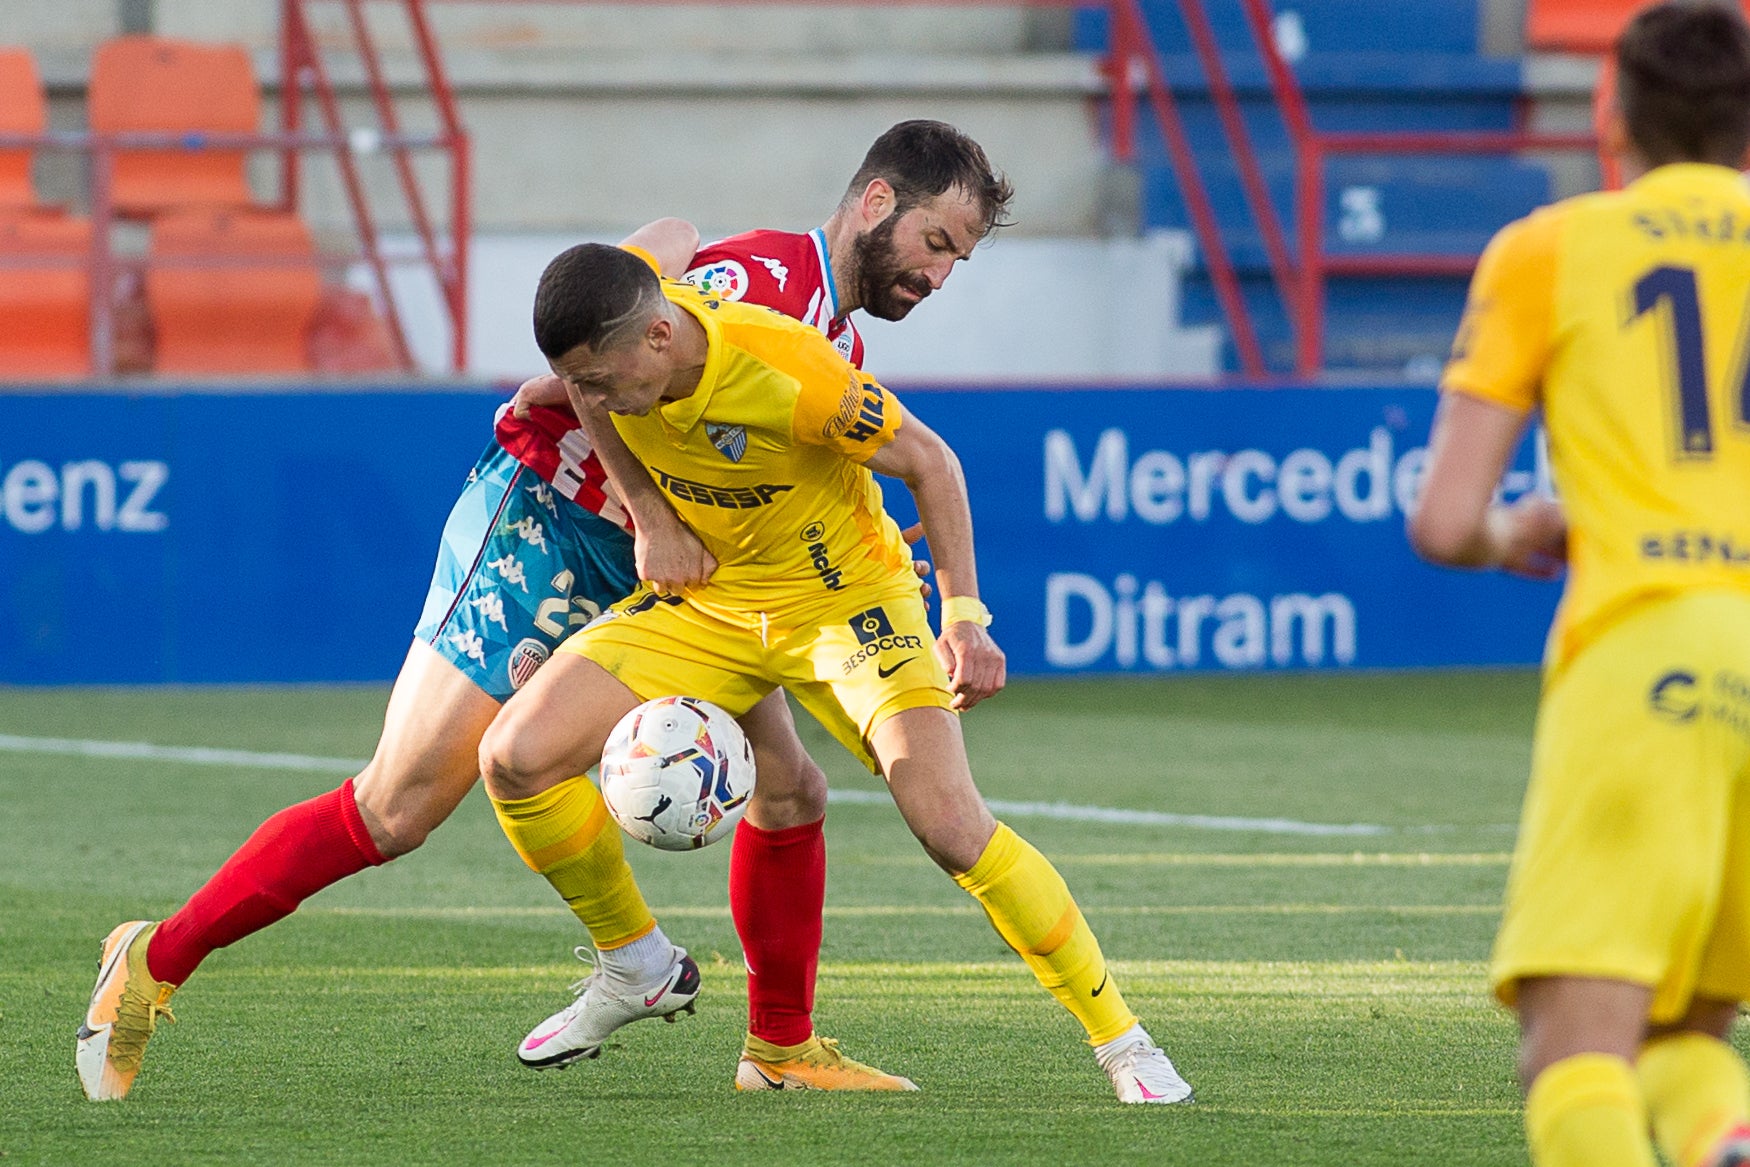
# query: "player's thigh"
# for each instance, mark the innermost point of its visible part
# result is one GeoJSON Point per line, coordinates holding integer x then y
{"type": "Point", "coordinates": [855, 668]}
{"type": "Point", "coordinates": [427, 758]}
{"type": "Point", "coordinates": [554, 728]}
{"type": "Point", "coordinates": [923, 756]}
{"type": "Point", "coordinates": [790, 789]}
{"type": "Point", "coordinates": [1723, 713]}
{"type": "Point", "coordinates": [519, 569]}
{"type": "Point", "coordinates": [1623, 842]}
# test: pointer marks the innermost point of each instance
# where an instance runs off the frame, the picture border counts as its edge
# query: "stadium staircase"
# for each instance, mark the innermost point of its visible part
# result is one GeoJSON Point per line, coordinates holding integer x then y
{"type": "Point", "coordinates": [1364, 67]}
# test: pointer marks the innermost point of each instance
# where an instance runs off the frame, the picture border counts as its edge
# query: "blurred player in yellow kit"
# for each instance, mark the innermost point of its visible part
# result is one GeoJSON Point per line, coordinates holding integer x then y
{"type": "Point", "coordinates": [1625, 317]}
{"type": "Point", "coordinates": [763, 438]}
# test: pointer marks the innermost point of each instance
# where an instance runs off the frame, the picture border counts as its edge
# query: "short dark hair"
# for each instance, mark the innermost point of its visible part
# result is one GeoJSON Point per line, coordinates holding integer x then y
{"type": "Point", "coordinates": [590, 294]}
{"type": "Point", "coordinates": [920, 159]}
{"type": "Point", "coordinates": [1683, 82]}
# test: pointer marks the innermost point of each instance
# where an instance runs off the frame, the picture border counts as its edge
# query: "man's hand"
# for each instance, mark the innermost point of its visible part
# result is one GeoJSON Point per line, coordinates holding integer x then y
{"type": "Point", "coordinates": [670, 556]}
{"type": "Point", "coordinates": [914, 534]}
{"type": "Point", "coordinates": [547, 390]}
{"type": "Point", "coordinates": [976, 666]}
{"type": "Point", "coordinates": [1530, 537]}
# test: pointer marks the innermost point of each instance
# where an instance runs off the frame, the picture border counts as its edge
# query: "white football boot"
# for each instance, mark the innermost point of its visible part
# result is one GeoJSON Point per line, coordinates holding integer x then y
{"type": "Point", "coordinates": [1140, 1070]}
{"type": "Point", "coordinates": [606, 1003]}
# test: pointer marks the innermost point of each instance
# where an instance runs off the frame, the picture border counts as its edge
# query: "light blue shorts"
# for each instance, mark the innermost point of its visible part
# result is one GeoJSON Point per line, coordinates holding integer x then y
{"type": "Point", "coordinates": [520, 568]}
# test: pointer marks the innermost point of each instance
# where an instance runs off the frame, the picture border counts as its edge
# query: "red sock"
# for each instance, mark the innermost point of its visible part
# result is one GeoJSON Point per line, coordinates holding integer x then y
{"type": "Point", "coordinates": [777, 887]}
{"type": "Point", "coordinates": [291, 856]}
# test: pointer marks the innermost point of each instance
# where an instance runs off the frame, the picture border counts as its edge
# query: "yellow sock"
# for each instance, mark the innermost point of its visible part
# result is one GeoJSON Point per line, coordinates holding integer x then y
{"type": "Point", "coordinates": [1697, 1090]}
{"type": "Point", "coordinates": [1587, 1111]}
{"type": "Point", "coordinates": [566, 835]}
{"type": "Point", "coordinates": [1031, 908]}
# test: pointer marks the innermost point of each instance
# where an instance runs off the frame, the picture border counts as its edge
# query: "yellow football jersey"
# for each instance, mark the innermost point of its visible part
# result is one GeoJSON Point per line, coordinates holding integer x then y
{"type": "Point", "coordinates": [1626, 316]}
{"type": "Point", "coordinates": [764, 463]}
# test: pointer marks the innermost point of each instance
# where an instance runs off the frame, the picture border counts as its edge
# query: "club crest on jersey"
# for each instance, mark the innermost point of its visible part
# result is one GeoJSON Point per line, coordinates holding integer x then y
{"type": "Point", "coordinates": [725, 279]}
{"type": "Point", "coordinates": [529, 655]}
{"type": "Point", "coordinates": [730, 440]}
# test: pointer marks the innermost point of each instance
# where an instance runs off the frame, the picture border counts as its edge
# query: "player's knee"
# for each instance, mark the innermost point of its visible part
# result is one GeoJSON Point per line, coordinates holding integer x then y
{"type": "Point", "coordinates": [506, 765]}
{"type": "Point", "coordinates": [790, 795]}
{"type": "Point", "coordinates": [950, 847]}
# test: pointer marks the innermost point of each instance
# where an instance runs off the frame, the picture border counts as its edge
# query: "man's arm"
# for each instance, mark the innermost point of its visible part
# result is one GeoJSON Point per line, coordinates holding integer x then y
{"type": "Point", "coordinates": [1457, 521]}
{"type": "Point", "coordinates": [665, 550]}
{"type": "Point", "coordinates": [929, 468]}
{"type": "Point", "coordinates": [670, 242]}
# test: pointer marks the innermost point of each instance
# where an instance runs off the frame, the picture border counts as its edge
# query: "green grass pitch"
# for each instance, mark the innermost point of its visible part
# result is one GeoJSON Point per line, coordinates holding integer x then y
{"type": "Point", "coordinates": [1325, 994]}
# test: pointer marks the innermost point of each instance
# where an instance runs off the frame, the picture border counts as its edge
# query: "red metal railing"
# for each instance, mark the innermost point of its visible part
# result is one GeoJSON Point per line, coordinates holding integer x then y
{"type": "Point", "coordinates": [303, 73]}
{"type": "Point", "coordinates": [1299, 280]}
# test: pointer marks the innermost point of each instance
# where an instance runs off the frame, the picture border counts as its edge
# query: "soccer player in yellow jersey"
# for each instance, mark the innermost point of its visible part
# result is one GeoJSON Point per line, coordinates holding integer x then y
{"type": "Point", "coordinates": [1625, 318]}
{"type": "Point", "coordinates": [764, 438]}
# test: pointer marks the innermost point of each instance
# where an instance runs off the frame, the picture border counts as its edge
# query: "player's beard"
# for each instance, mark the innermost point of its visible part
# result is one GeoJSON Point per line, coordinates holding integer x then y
{"type": "Point", "coordinates": [880, 276]}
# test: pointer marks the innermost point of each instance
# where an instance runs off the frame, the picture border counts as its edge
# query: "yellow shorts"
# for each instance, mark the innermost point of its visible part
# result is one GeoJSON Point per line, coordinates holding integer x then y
{"type": "Point", "coordinates": [1633, 861]}
{"type": "Point", "coordinates": [852, 664]}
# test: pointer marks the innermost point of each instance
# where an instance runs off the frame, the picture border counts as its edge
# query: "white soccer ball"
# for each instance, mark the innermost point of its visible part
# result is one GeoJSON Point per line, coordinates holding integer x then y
{"type": "Point", "coordinates": [677, 773]}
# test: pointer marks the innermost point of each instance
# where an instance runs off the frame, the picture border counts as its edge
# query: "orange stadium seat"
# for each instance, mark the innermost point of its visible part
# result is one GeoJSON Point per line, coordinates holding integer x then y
{"type": "Point", "coordinates": [155, 84]}
{"type": "Point", "coordinates": [232, 317]}
{"type": "Point", "coordinates": [47, 308]}
{"type": "Point", "coordinates": [1579, 26]}
{"type": "Point", "coordinates": [23, 110]}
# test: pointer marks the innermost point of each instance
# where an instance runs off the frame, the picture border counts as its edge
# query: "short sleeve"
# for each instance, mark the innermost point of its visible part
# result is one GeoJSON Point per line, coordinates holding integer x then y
{"type": "Point", "coordinates": [644, 255]}
{"type": "Point", "coordinates": [1504, 341]}
{"type": "Point", "coordinates": [853, 413]}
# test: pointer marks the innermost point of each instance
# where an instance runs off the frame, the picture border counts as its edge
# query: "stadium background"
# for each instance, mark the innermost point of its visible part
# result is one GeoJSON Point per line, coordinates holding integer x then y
{"type": "Point", "coordinates": [255, 394]}
{"type": "Point", "coordinates": [1191, 388]}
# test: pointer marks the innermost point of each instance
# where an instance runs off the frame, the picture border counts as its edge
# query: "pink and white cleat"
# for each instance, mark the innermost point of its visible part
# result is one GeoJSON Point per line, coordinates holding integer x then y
{"type": "Point", "coordinates": [606, 1003]}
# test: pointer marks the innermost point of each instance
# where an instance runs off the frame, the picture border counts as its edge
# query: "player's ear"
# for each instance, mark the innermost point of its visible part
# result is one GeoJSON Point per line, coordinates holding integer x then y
{"type": "Point", "coordinates": [877, 202]}
{"type": "Point", "coordinates": [660, 334]}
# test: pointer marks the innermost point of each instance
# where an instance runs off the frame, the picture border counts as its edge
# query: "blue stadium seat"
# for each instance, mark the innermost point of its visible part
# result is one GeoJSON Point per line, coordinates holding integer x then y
{"type": "Point", "coordinates": [1364, 66]}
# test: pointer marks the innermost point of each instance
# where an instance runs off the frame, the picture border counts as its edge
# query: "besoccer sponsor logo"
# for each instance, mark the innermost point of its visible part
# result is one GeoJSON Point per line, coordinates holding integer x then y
{"type": "Point", "coordinates": [831, 576]}
{"type": "Point", "coordinates": [528, 656]}
{"type": "Point", "coordinates": [725, 279]}
{"type": "Point", "coordinates": [875, 636]}
{"type": "Point", "coordinates": [729, 497]}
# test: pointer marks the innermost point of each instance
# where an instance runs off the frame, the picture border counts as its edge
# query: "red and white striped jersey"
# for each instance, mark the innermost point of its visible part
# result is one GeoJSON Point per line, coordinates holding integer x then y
{"type": "Point", "coordinates": [782, 270]}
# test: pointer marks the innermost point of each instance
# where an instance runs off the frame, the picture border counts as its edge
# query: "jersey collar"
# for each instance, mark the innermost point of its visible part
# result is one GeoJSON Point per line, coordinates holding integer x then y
{"type": "Point", "coordinates": [826, 281]}
{"type": "Point", "coordinates": [685, 414]}
{"type": "Point", "coordinates": [1688, 174]}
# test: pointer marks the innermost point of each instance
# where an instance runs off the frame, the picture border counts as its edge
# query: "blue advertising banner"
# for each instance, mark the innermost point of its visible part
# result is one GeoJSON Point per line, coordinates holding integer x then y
{"type": "Point", "coordinates": [289, 536]}
{"type": "Point", "coordinates": [1132, 530]}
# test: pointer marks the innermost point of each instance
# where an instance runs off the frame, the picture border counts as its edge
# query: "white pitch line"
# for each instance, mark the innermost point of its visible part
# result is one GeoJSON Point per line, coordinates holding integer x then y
{"type": "Point", "coordinates": [1064, 811]}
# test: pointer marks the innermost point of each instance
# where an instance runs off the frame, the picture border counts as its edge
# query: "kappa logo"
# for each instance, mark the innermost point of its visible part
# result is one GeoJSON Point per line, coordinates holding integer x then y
{"type": "Point", "coordinates": [730, 440]}
{"type": "Point", "coordinates": [510, 569]}
{"type": "Point", "coordinates": [725, 279]}
{"type": "Point", "coordinates": [776, 267]}
{"type": "Point", "coordinates": [1673, 696]}
{"type": "Point", "coordinates": [543, 495]}
{"type": "Point", "coordinates": [528, 656]}
{"type": "Point", "coordinates": [875, 635]}
{"type": "Point", "coordinates": [491, 607]}
{"type": "Point", "coordinates": [468, 643]}
{"type": "Point", "coordinates": [531, 532]}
